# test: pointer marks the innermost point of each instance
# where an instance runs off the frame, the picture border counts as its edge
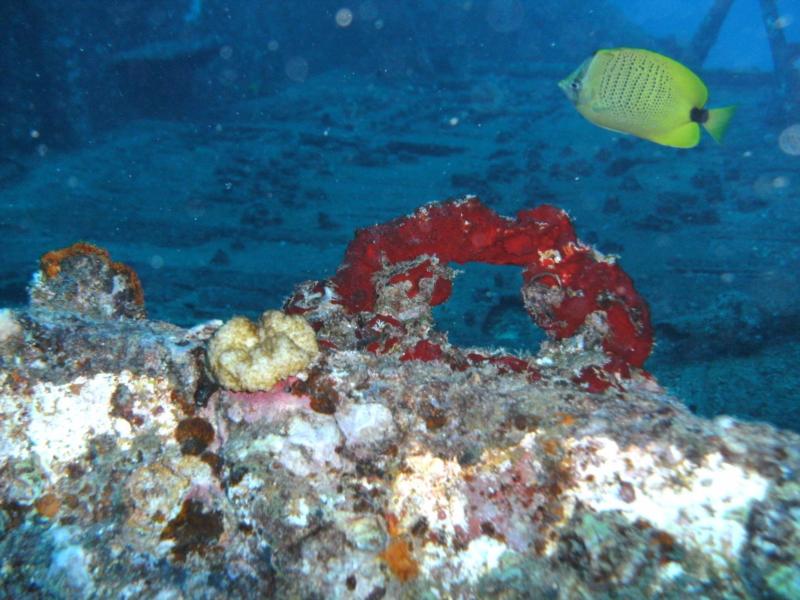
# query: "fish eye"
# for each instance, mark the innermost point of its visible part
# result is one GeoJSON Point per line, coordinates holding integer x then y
{"type": "Point", "coordinates": [575, 85]}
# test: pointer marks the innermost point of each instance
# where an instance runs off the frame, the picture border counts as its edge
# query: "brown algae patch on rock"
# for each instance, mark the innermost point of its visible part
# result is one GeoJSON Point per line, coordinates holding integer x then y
{"type": "Point", "coordinates": [245, 356]}
{"type": "Point", "coordinates": [83, 279]}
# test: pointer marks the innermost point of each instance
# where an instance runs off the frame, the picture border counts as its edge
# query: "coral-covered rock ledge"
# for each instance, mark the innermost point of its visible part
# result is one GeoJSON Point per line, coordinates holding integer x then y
{"type": "Point", "coordinates": [127, 472]}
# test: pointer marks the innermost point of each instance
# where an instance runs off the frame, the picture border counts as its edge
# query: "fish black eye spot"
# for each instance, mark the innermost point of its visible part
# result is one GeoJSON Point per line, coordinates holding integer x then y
{"type": "Point", "coordinates": [699, 115]}
{"type": "Point", "coordinates": [575, 85]}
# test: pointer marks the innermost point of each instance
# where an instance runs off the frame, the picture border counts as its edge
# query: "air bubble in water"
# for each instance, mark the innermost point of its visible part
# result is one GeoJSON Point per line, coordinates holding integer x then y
{"type": "Point", "coordinates": [789, 140]}
{"type": "Point", "coordinates": [344, 17]}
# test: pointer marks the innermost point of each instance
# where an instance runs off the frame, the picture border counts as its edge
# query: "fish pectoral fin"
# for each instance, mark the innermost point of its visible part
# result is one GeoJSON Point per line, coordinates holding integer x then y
{"type": "Point", "coordinates": [597, 107]}
{"type": "Point", "coordinates": [683, 136]}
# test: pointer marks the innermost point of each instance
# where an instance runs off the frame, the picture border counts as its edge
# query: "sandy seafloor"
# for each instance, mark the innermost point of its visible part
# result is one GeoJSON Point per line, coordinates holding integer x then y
{"type": "Point", "coordinates": [224, 216]}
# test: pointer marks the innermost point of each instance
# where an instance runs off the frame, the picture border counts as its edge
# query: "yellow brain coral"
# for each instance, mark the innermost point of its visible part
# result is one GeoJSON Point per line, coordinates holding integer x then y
{"type": "Point", "coordinates": [245, 356]}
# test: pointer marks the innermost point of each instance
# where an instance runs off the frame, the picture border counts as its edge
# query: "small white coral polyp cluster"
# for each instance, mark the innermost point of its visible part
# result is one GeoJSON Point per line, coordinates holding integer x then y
{"type": "Point", "coordinates": [248, 357]}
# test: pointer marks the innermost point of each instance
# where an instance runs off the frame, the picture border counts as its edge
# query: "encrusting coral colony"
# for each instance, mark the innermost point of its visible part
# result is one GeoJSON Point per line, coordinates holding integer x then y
{"type": "Point", "coordinates": [343, 448]}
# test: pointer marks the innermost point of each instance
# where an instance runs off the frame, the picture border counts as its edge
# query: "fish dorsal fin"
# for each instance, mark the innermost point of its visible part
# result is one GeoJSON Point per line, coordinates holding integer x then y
{"type": "Point", "coordinates": [606, 53]}
{"type": "Point", "coordinates": [685, 136]}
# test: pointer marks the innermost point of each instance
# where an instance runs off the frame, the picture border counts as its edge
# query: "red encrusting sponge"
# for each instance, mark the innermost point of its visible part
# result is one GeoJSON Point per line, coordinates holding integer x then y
{"type": "Point", "coordinates": [568, 288]}
{"type": "Point", "coordinates": [541, 240]}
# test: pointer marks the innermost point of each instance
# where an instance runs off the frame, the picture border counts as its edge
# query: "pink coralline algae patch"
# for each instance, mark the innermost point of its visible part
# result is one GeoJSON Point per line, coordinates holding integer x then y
{"type": "Point", "coordinates": [394, 272]}
{"type": "Point", "coordinates": [255, 406]}
{"type": "Point", "coordinates": [508, 506]}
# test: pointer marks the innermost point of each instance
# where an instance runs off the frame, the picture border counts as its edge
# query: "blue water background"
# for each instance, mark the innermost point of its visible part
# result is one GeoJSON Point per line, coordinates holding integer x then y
{"type": "Point", "coordinates": [228, 151]}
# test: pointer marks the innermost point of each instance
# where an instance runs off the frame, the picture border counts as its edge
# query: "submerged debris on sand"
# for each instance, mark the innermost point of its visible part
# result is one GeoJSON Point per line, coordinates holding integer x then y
{"type": "Point", "coordinates": [384, 469]}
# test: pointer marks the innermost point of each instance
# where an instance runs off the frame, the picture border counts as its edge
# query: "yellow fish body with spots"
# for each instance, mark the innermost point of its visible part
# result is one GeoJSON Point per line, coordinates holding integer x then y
{"type": "Point", "coordinates": [645, 94]}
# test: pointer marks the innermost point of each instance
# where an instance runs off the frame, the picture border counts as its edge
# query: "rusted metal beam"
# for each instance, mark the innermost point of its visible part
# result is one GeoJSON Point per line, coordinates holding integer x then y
{"type": "Point", "coordinates": [784, 55]}
{"type": "Point", "coordinates": [706, 35]}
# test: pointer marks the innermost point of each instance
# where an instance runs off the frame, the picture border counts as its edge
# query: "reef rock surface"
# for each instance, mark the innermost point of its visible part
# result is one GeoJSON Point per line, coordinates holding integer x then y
{"type": "Point", "coordinates": [127, 472]}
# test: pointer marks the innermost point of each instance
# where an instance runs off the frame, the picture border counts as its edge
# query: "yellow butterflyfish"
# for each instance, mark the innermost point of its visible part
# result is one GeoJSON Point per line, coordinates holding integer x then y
{"type": "Point", "coordinates": [646, 94]}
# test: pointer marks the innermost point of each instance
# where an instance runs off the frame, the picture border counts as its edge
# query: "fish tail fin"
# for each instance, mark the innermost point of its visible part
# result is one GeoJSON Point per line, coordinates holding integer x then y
{"type": "Point", "coordinates": [718, 121]}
